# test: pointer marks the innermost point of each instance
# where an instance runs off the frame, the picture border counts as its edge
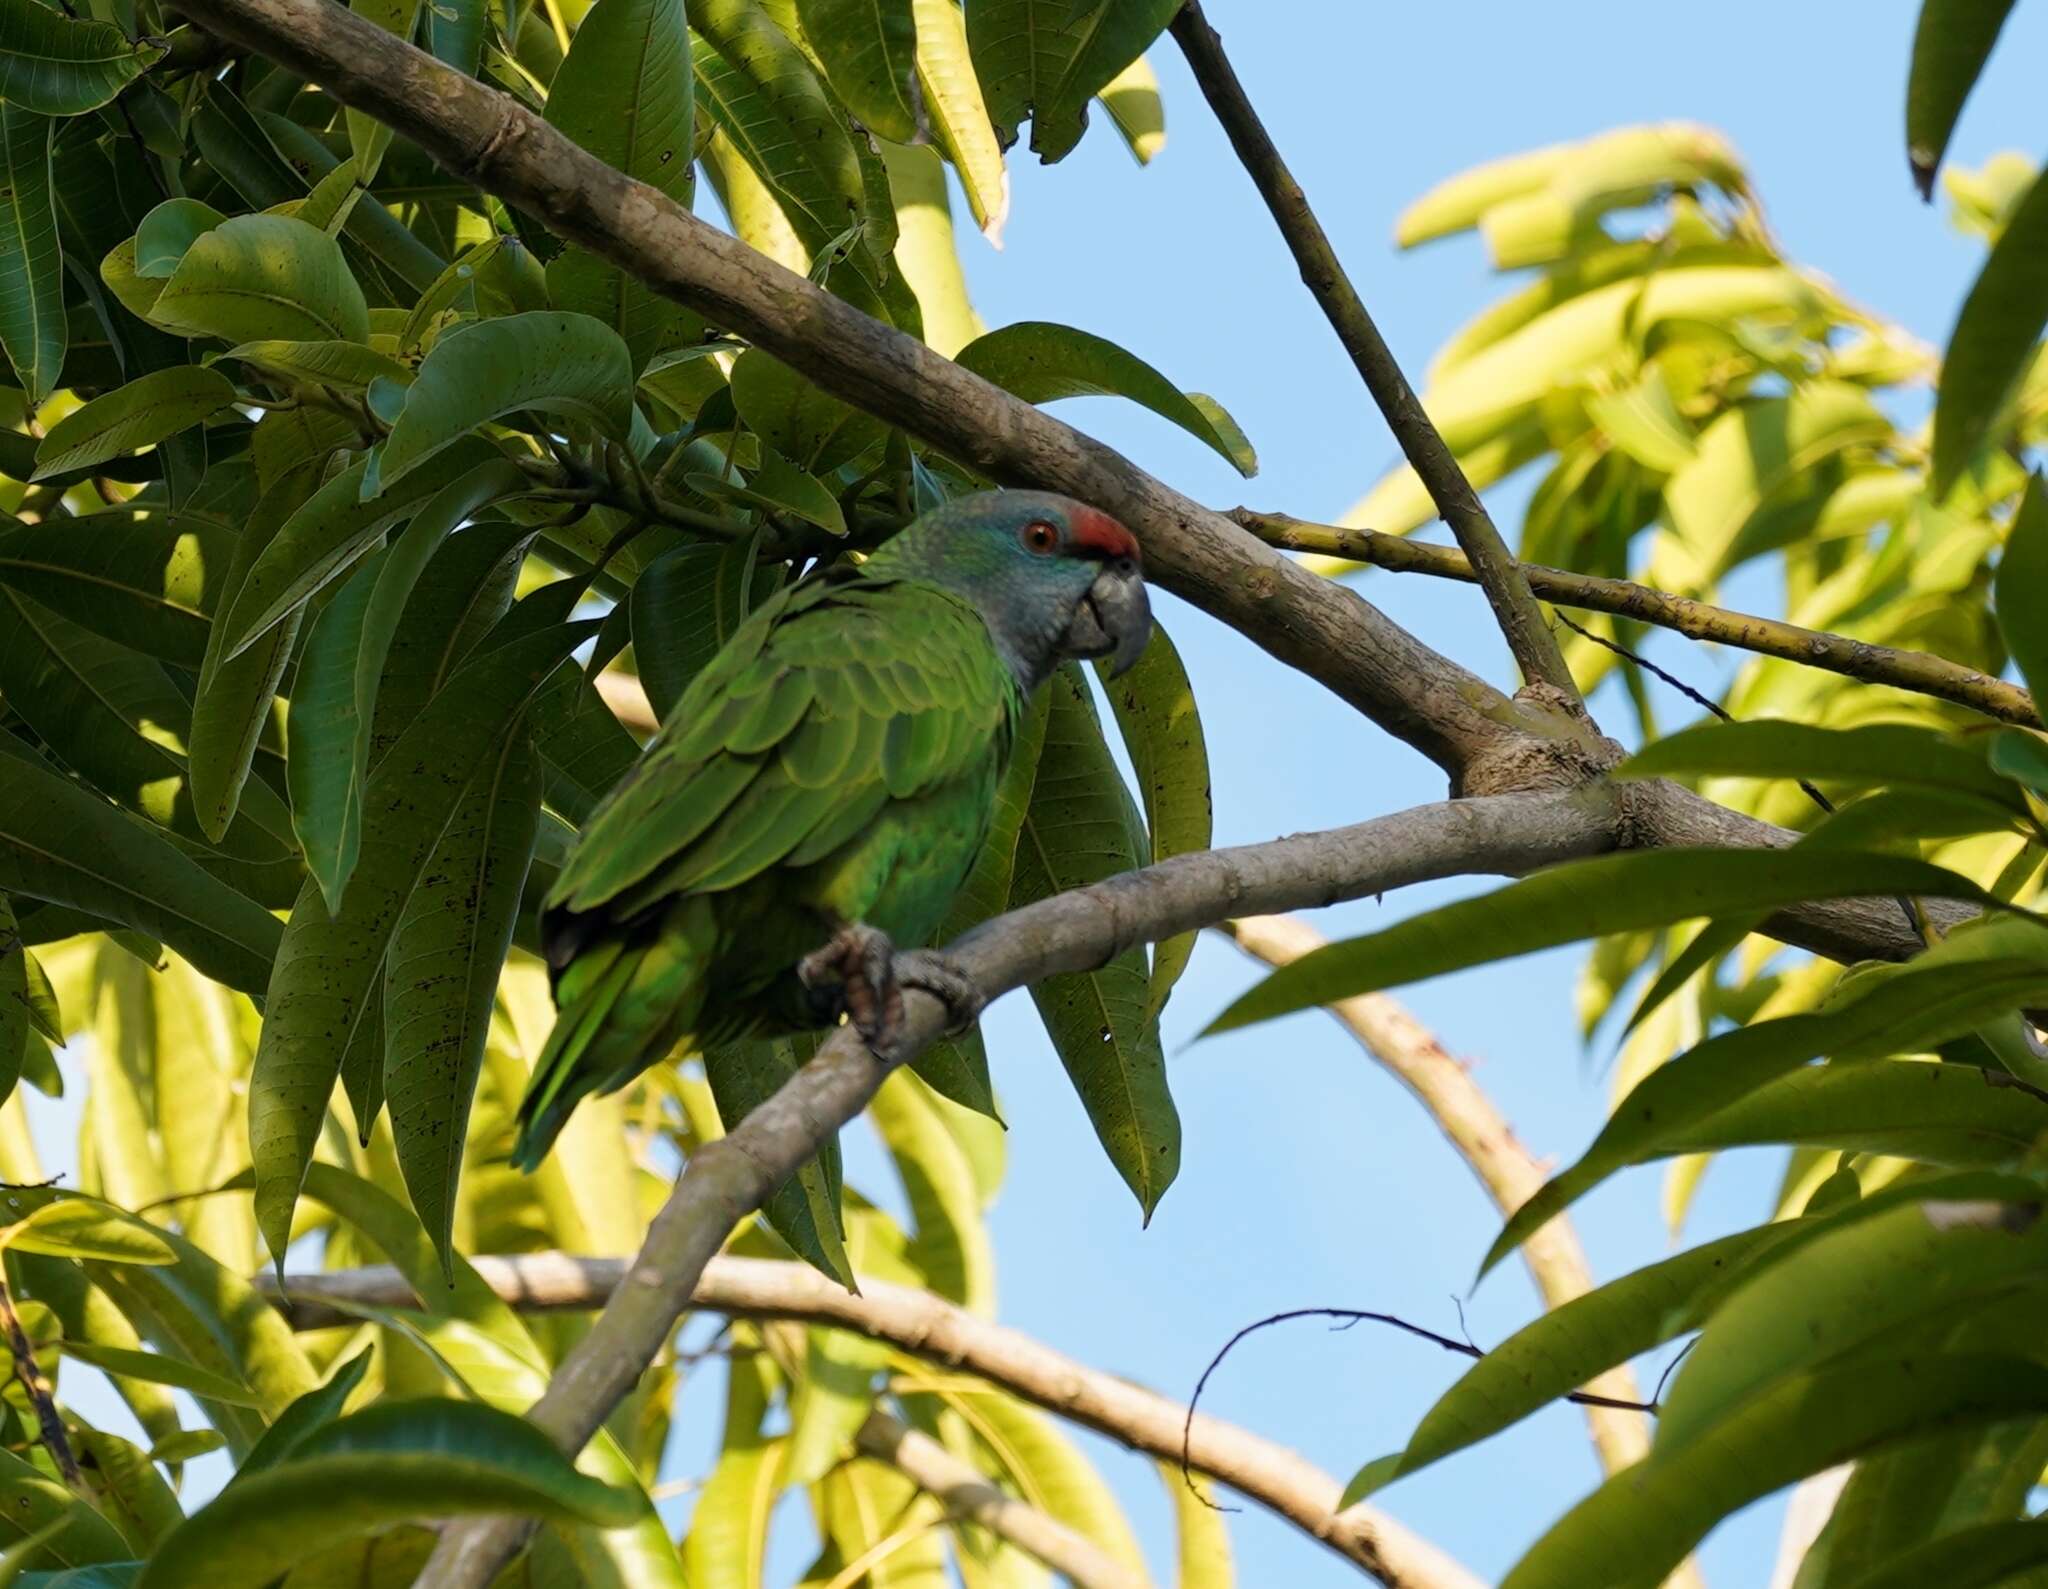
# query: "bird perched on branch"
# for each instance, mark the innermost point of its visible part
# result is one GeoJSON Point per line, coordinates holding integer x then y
{"type": "Point", "coordinates": [819, 795]}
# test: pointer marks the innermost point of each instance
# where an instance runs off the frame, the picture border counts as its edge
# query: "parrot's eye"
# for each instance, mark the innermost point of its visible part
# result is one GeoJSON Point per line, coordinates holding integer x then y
{"type": "Point", "coordinates": [1040, 537]}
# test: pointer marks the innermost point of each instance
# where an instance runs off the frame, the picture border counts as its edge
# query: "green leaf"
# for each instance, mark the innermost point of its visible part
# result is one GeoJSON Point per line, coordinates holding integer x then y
{"type": "Point", "coordinates": [2020, 588]}
{"type": "Point", "coordinates": [442, 971]}
{"type": "Point", "coordinates": [1041, 362]}
{"type": "Point", "coordinates": [869, 50]}
{"type": "Point", "coordinates": [624, 93]}
{"type": "Point", "coordinates": [322, 732]}
{"type": "Point", "coordinates": [59, 843]}
{"type": "Point", "coordinates": [145, 580]}
{"type": "Point", "coordinates": [326, 966]}
{"type": "Point", "coordinates": [32, 322]}
{"type": "Point", "coordinates": [1994, 340]}
{"type": "Point", "coordinates": [83, 1228]}
{"type": "Point", "coordinates": [257, 277]}
{"type": "Point", "coordinates": [368, 137]}
{"type": "Point", "coordinates": [1562, 1350]}
{"type": "Point", "coordinates": [1048, 58]}
{"type": "Point", "coordinates": [805, 1210]}
{"type": "Point", "coordinates": [55, 65]}
{"type": "Point", "coordinates": [1650, 1515]}
{"type": "Point", "coordinates": [1586, 899]}
{"type": "Point", "coordinates": [1951, 43]}
{"type": "Point", "coordinates": [810, 428]}
{"type": "Point", "coordinates": [684, 606]}
{"type": "Point", "coordinates": [236, 688]}
{"type": "Point", "coordinates": [584, 749]}
{"type": "Point", "coordinates": [1132, 100]}
{"type": "Point", "coordinates": [1154, 707]}
{"type": "Point", "coordinates": [1881, 754]}
{"type": "Point", "coordinates": [1202, 1558]}
{"type": "Point", "coordinates": [73, 1534]}
{"type": "Point", "coordinates": [949, 1243]}
{"type": "Point", "coordinates": [142, 413]}
{"type": "Point", "coordinates": [1075, 834]}
{"type": "Point", "coordinates": [958, 116]}
{"type": "Point", "coordinates": [341, 366]}
{"type": "Point", "coordinates": [391, 1463]}
{"type": "Point", "coordinates": [167, 232]}
{"type": "Point", "coordinates": [1971, 1558]}
{"type": "Point", "coordinates": [161, 1370]}
{"type": "Point", "coordinates": [310, 1413]}
{"type": "Point", "coordinates": [322, 538]}
{"type": "Point", "coordinates": [780, 487]}
{"type": "Point", "coordinates": [17, 1013]}
{"type": "Point", "coordinates": [567, 364]}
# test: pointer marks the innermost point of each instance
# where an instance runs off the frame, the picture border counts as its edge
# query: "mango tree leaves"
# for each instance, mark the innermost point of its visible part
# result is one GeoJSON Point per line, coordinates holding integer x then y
{"type": "Point", "coordinates": [264, 276]}
{"type": "Point", "coordinates": [805, 1210]}
{"type": "Point", "coordinates": [869, 48]}
{"type": "Point", "coordinates": [1994, 340]}
{"type": "Point", "coordinates": [1048, 58]}
{"type": "Point", "coordinates": [566, 364]}
{"type": "Point", "coordinates": [1075, 833]}
{"type": "Point", "coordinates": [1951, 43]}
{"type": "Point", "coordinates": [625, 94]}
{"type": "Point", "coordinates": [57, 842]}
{"type": "Point", "coordinates": [1971, 1558]}
{"type": "Point", "coordinates": [957, 114]}
{"type": "Point", "coordinates": [442, 971]}
{"type": "Point", "coordinates": [167, 231]}
{"type": "Point", "coordinates": [1040, 362]}
{"type": "Point", "coordinates": [55, 65]}
{"type": "Point", "coordinates": [1585, 899]}
{"type": "Point", "coordinates": [811, 428]}
{"type": "Point", "coordinates": [17, 1014]}
{"type": "Point", "coordinates": [2021, 589]}
{"type": "Point", "coordinates": [387, 1464]}
{"type": "Point", "coordinates": [32, 322]}
{"type": "Point", "coordinates": [685, 605]}
{"type": "Point", "coordinates": [145, 411]}
{"type": "Point", "coordinates": [344, 366]}
{"type": "Point", "coordinates": [326, 966]}
{"type": "Point", "coordinates": [144, 580]}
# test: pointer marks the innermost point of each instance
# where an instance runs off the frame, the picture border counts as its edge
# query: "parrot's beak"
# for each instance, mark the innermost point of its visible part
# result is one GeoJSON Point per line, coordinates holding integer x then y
{"type": "Point", "coordinates": [1113, 620]}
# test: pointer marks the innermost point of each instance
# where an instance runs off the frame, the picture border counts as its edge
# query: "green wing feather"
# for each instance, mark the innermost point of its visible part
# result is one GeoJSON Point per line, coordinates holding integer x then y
{"type": "Point", "coordinates": [837, 707]}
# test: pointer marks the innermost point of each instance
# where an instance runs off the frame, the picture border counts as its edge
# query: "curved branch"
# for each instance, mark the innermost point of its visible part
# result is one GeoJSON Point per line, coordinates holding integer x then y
{"type": "Point", "coordinates": [728, 1179]}
{"type": "Point", "coordinates": [1514, 606]}
{"type": "Point", "coordinates": [487, 138]}
{"type": "Point", "coordinates": [1917, 671]}
{"type": "Point", "coordinates": [925, 1326]}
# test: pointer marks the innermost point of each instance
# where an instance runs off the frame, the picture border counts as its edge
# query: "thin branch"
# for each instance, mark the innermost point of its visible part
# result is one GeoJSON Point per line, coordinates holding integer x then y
{"type": "Point", "coordinates": [970, 1497]}
{"type": "Point", "coordinates": [1916, 671]}
{"type": "Point", "coordinates": [925, 1326]}
{"type": "Point", "coordinates": [728, 1179]}
{"type": "Point", "coordinates": [1485, 1141]}
{"type": "Point", "coordinates": [49, 1422]}
{"type": "Point", "coordinates": [1514, 606]}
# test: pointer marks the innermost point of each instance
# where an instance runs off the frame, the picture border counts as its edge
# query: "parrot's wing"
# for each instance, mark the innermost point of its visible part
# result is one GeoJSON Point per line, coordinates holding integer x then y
{"type": "Point", "coordinates": [832, 699]}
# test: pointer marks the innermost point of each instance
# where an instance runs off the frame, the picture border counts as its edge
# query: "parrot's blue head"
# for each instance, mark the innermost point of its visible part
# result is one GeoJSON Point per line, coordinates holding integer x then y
{"type": "Point", "coordinates": [1051, 577]}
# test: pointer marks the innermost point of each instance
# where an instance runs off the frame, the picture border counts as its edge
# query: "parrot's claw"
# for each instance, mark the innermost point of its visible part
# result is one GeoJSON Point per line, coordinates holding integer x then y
{"type": "Point", "coordinates": [859, 973]}
{"type": "Point", "coordinates": [933, 973]}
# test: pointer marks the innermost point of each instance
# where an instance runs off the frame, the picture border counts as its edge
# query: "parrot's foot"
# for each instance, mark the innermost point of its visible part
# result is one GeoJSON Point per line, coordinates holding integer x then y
{"type": "Point", "coordinates": [859, 973]}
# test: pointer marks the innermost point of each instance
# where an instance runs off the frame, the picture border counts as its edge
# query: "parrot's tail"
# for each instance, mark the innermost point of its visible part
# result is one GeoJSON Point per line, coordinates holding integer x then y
{"type": "Point", "coordinates": [622, 1003]}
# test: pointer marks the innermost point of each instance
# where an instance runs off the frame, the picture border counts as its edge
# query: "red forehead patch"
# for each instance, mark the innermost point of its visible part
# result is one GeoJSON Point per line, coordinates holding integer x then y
{"type": "Point", "coordinates": [1095, 531]}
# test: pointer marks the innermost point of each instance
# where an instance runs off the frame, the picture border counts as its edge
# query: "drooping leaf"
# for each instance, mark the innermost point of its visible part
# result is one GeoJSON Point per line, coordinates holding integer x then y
{"type": "Point", "coordinates": [810, 428]}
{"type": "Point", "coordinates": [1951, 43]}
{"type": "Point", "coordinates": [1132, 100]}
{"type": "Point", "coordinates": [1048, 58]}
{"type": "Point", "coordinates": [684, 606]}
{"type": "Point", "coordinates": [386, 1464]}
{"type": "Point", "coordinates": [326, 966]}
{"type": "Point", "coordinates": [311, 1412]}
{"type": "Point", "coordinates": [959, 118]}
{"type": "Point", "coordinates": [1074, 834]}
{"type": "Point", "coordinates": [17, 1014]}
{"type": "Point", "coordinates": [322, 730]}
{"type": "Point", "coordinates": [1585, 899]}
{"type": "Point", "coordinates": [162, 1370]}
{"type": "Point", "coordinates": [805, 1210]}
{"type": "Point", "coordinates": [144, 580]}
{"type": "Point", "coordinates": [869, 48]}
{"type": "Point", "coordinates": [1041, 362]}
{"type": "Point", "coordinates": [56, 65]}
{"type": "Point", "coordinates": [1881, 754]}
{"type": "Point", "coordinates": [32, 322]}
{"type": "Point", "coordinates": [442, 970]}
{"type": "Point", "coordinates": [1993, 341]}
{"type": "Point", "coordinates": [567, 364]}
{"type": "Point", "coordinates": [140, 414]}
{"type": "Point", "coordinates": [2021, 587]}
{"type": "Point", "coordinates": [258, 277]}
{"type": "Point", "coordinates": [949, 1240]}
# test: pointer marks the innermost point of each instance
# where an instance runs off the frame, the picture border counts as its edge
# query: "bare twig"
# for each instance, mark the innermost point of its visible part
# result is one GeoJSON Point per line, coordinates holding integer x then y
{"type": "Point", "coordinates": [925, 1326]}
{"type": "Point", "coordinates": [1387, 1031]}
{"type": "Point", "coordinates": [49, 1421]}
{"type": "Point", "coordinates": [1916, 671]}
{"type": "Point", "coordinates": [1514, 606]}
{"type": "Point", "coordinates": [970, 1496]}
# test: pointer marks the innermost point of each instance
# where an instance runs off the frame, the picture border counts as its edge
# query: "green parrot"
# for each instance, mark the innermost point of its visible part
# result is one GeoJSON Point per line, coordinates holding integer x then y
{"type": "Point", "coordinates": [819, 795]}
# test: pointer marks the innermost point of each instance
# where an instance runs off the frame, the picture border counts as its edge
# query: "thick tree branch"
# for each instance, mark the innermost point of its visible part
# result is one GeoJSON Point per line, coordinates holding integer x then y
{"type": "Point", "coordinates": [1484, 1140]}
{"type": "Point", "coordinates": [1916, 671]}
{"type": "Point", "coordinates": [489, 139]}
{"type": "Point", "coordinates": [730, 1178]}
{"type": "Point", "coordinates": [1514, 607]}
{"type": "Point", "coordinates": [969, 1496]}
{"type": "Point", "coordinates": [925, 1326]}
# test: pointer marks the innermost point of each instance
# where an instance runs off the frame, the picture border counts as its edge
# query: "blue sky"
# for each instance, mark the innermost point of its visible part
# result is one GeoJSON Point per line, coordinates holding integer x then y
{"type": "Point", "coordinates": [1308, 1176]}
